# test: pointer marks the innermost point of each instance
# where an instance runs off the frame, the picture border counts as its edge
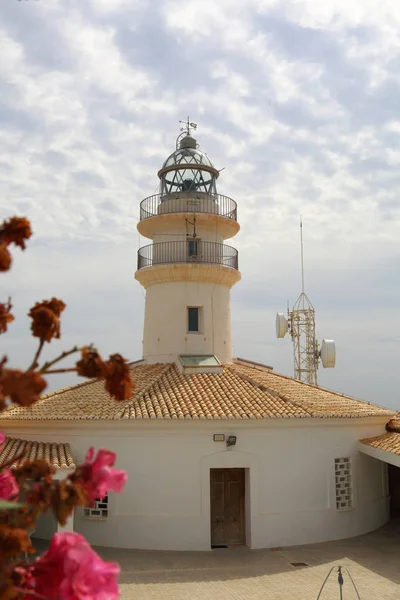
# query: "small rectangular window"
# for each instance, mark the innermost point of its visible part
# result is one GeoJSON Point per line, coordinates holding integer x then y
{"type": "Point", "coordinates": [193, 319]}
{"type": "Point", "coordinates": [192, 248]}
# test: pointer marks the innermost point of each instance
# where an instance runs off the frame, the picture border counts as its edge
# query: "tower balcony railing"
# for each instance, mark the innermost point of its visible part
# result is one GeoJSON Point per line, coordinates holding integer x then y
{"type": "Point", "coordinates": [188, 251]}
{"type": "Point", "coordinates": [188, 202]}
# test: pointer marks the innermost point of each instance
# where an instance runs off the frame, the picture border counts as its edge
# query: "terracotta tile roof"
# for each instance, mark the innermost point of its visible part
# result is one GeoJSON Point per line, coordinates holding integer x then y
{"type": "Point", "coordinates": [241, 391]}
{"type": "Point", "coordinates": [55, 454]}
{"type": "Point", "coordinates": [319, 402]}
{"type": "Point", "coordinates": [390, 441]}
{"type": "Point", "coordinates": [394, 424]}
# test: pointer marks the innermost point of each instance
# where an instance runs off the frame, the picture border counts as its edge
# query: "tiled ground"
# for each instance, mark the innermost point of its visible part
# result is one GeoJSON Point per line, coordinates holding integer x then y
{"type": "Point", "coordinates": [373, 561]}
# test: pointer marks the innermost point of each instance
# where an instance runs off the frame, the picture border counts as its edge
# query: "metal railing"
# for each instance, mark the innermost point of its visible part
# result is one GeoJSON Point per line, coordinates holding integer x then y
{"type": "Point", "coordinates": [184, 202]}
{"type": "Point", "coordinates": [188, 251]}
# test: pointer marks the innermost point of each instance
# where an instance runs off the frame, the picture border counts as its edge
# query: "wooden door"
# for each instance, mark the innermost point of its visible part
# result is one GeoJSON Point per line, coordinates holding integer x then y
{"type": "Point", "coordinates": [394, 491]}
{"type": "Point", "coordinates": [227, 507]}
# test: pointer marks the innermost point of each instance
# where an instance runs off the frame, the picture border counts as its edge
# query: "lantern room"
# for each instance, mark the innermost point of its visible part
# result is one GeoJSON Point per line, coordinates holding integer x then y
{"type": "Point", "coordinates": [187, 170]}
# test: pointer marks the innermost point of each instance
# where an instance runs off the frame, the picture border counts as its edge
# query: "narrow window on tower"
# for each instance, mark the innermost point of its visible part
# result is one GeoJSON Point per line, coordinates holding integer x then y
{"type": "Point", "coordinates": [192, 248]}
{"type": "Point", "coordinates": [193, 319]}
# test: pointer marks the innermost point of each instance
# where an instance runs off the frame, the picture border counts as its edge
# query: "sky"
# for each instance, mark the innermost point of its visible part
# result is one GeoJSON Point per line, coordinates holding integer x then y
{"type": "Point", "coordinates": [297, 100]}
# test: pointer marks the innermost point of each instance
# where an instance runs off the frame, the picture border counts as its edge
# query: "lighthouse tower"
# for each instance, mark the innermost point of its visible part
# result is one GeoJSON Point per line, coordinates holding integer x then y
{"type": "Point", "coordinates": [187, 270]}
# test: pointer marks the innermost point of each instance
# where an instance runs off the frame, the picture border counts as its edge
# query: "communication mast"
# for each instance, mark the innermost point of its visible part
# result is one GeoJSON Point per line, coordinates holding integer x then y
{"type": "Point", "coordinates": [300, 323]}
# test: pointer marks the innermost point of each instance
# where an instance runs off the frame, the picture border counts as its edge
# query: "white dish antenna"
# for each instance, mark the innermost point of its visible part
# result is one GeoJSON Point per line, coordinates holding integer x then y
{"type": "Point", "coordinates": [328, 354]}
{"type": "Point", "coordinates": [282, 325]}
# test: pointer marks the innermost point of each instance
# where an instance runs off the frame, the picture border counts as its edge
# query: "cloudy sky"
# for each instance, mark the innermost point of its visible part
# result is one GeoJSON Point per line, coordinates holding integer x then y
{"type": "Point", "coordinates": [298, 101]}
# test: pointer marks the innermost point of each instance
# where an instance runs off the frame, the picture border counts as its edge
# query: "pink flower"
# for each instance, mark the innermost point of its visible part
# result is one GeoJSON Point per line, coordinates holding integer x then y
{"type": "Point", "coordinates": [8, 485]}
{"type": "Point", "coordinates": [2, 437]}
{"type": "Point", "coordinates": [98, 476]}
{"type": "Point", "coordinates": [71, 570]}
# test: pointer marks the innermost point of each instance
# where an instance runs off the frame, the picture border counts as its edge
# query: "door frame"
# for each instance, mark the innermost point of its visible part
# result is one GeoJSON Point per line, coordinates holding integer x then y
{"type": "Point", "coordinates": [242, 501]}
{"type": "Point", "coordinates": [231, 460]}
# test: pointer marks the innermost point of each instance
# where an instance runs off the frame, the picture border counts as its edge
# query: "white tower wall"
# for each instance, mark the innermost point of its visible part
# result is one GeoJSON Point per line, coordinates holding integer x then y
{"type": "Point", "coordinates": [187, 265]}
{"type": "Point", "coordinates": [166, 331]}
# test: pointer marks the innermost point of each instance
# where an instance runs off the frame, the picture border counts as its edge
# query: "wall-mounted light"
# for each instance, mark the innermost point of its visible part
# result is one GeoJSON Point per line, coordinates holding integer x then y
{"type": "Point", "coordinates": [219, 437]}
{"type": "Point", "coordinates": [231, 441]}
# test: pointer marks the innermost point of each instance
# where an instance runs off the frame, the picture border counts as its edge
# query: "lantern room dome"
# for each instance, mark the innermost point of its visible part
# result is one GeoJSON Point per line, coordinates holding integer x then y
{"type": "Point", "coordinates": [187, 170]}
{"type": "Point", "coordinates": [190, 156]}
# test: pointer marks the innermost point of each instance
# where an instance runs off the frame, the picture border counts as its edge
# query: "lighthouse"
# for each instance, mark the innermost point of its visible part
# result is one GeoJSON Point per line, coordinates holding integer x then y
{"type": "Point", "coordinates": [188, 270]}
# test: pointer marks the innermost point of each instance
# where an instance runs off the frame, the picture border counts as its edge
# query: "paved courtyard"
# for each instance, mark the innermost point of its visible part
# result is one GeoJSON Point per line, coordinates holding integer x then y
{"type": "Point", "coordinates": [373, 561]}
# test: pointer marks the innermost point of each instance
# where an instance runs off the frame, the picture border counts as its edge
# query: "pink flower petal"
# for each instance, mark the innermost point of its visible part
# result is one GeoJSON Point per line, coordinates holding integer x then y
{"type": "Point", "coordinates": [98, 476]}
{"type": "Point", "coordinates": [71, 570]}
{"type": "Point", "coordinates": [8, 485]}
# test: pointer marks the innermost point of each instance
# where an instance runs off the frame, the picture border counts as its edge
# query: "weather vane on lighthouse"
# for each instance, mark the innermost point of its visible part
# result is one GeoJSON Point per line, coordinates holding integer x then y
{"type": "Point", "coordinates": [186, 131]}
{"type": "Point", "coordinates": [187, 126]}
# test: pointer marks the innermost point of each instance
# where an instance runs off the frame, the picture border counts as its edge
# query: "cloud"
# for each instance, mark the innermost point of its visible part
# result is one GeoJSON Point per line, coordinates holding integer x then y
{"type": "Point", "coordinates": [296, 100]}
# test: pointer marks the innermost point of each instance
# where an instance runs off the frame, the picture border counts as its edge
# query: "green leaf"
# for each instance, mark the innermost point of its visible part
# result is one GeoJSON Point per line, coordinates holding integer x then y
{"type": "Point", "coordinates": [7, 505]}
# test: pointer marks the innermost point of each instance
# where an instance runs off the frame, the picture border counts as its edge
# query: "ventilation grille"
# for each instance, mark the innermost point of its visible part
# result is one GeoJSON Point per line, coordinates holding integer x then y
{"type": "Point", "coordinates": [99, 510]}
{"type": "Point", "coordinates": [343, 484]}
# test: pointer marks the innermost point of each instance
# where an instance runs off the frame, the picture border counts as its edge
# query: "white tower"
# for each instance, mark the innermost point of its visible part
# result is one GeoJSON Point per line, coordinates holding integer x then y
{"type": "Point", "coordinates": [187, 271]}
{"type": "Point", "coordinates": [300, 323]}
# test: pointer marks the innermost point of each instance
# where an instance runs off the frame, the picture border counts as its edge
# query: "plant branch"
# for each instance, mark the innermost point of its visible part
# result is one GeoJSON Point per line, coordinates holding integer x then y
{"type": "Point", "coordinates": [34, 363]}
{"type": "Point", "coordinates": [50, 363]}
{"type": "Point", "coordinates": [53, 371]}
{"type": "Point", "coordinates": [32, 593]}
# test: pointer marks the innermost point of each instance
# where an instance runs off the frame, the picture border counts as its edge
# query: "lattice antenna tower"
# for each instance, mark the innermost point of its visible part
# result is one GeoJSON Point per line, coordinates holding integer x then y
{"type": "Point", "coordinates": [300, 323]}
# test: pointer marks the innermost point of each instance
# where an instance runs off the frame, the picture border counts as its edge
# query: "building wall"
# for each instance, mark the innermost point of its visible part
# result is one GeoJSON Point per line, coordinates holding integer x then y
{"type": "Point", "coordinates": [166, 333]}
{"type": "Point", "coordinates": [290, 495]}
{"type": "Point", "coordinates": [46, 527]}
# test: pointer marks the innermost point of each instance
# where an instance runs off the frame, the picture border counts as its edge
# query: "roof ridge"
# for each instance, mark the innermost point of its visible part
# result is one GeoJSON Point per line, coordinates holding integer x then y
{"type": "Point", "coordinates": [82, 383]}
{"type": "Point", "coordinates": [273, 393]}
{"type": "Point", "coordinates": [318, 387]}
{"type": "Point", "coordinates": [252, 362]}
{"type": "Point", "coordinates": [395, 428]}
{"type": "Point", "coordinates": [137, 397]}
{"type": "Point", "coordinates": [67, 389]}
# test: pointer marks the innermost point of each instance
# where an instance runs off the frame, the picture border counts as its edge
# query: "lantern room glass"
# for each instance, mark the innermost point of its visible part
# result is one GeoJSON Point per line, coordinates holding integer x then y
{"type": "Point", "coordinates": [187, 177]}
{"type": "Point", "coordinates": [189, 156]}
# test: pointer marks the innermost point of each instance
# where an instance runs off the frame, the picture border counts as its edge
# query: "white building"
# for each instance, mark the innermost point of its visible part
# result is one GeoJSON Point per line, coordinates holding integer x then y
{"type": "Point", "coordinates": [219, 451]}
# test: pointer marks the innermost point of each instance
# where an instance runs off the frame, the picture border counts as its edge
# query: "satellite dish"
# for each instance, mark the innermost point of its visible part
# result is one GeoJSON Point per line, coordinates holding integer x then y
{"type": "Point", "coordinates": [281, 325]}
{"type": "Point", "coordinates": [328, 354]}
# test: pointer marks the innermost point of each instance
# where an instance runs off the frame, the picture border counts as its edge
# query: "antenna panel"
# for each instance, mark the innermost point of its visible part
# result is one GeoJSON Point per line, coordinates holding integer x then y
{"type": "Point", "coordinates": [328, 354]}
{"type": "Point", "coordinates": [281, 325]}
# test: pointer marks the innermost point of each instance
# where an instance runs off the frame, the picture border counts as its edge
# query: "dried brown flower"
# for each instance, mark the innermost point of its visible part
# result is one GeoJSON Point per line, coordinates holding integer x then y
{"type": "Point", "coordinates": [91, 364]}
{"type": "Point", "coordinates": [34, 470]}
{"type": "Point", "coordinates": [46, 319]}
{"type": "Point", "coordinates": [5, 258]}
{"type": "Point", "coordinates": [65, 497]}
{"type": "Point", "coordinates": [15, 231]}
{"type": "Point", "coordinates": [2, 402]}
{"type": "Point", "coordinates": [22, 388]}
{"type": "Point", "coordinates": [13, 541]}
{"type": "Point", "coordinates": [5, 317]}
{"type": "Point", "coordinates": [39, 496]}
{"type": "Point", "coordinates": [118, 379]}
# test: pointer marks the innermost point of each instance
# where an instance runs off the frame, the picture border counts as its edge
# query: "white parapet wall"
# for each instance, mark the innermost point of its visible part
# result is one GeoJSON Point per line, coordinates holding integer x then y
{"type": "Point", "coordinates": [290, 480]}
